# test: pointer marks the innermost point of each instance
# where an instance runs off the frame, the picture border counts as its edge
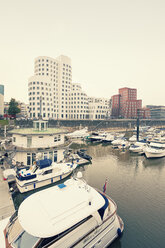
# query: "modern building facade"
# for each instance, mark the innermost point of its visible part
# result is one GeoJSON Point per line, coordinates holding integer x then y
{"type": "Point", "coordinates": [61, 99]}
{"type": "Point", "coordinates": [125, 105]}
{"type": "Point", "coordinates": [98, 108]}
{"type": "Point", "coordinates": [156, 111]}
{"type": "Point", "coordinates": [1, 100]}
{"type": "Point", "coordinates": [115, 106]}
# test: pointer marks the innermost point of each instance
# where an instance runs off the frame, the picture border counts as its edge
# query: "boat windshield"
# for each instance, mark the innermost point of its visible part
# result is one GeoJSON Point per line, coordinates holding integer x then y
{"type": "Point", "coordinates": [17, 236]}
{"type": "Point", "coordinates": [25, 240]}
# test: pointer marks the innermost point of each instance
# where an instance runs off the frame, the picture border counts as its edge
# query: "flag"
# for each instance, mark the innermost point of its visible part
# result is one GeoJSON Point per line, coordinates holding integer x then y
{"type": "Point", "coordinates": [105, 186]}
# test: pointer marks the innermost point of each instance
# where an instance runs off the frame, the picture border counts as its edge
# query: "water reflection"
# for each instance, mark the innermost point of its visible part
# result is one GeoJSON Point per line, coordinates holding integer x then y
{"type": "Point", "coordinates": [155, 163]}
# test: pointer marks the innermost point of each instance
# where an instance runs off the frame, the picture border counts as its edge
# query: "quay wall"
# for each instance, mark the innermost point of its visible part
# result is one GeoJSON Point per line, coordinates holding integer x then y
{"type": "Point", "coordinates": [97, 124]}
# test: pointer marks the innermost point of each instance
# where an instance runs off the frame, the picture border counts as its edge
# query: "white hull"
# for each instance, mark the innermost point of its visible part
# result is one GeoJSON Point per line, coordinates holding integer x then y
{"type": "Point", "coordinates": [100, 237]}
{"type": "Point", "coordinates": [138, 150]}
{"type": "Point", "coordinates": [37, 184]}
{"type": "Point", "coordinates": [155, 154]}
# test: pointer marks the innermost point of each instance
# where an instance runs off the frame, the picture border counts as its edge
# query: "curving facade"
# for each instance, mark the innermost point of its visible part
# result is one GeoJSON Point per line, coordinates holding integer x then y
{"type": "Point", "coordinates": [53, 95]}
{"type": "Point", "coordinates": [51, 82]}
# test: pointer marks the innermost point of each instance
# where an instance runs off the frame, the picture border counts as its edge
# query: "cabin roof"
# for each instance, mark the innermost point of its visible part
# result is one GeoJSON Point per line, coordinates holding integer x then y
{"type": "Point", "coordinates": [52, 211]}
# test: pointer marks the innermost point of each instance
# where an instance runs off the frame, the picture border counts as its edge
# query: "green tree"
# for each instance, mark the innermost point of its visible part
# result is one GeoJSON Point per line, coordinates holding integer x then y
{"type": "Point", "coordinates": [13, 108]}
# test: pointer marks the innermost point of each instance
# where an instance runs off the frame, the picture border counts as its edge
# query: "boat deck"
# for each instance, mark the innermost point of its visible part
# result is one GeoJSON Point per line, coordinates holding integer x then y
{"type": "Point", "coordinates": [6, 202]}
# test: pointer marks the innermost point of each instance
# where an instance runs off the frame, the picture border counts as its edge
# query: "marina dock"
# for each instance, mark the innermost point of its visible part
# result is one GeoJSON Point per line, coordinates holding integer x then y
{"type": "Point", "coordinates": [6, 202]}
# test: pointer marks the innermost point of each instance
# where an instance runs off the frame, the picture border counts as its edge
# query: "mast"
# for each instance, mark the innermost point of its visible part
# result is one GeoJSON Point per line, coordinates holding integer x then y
{"type": "Point", "coordinates": [137, 124]}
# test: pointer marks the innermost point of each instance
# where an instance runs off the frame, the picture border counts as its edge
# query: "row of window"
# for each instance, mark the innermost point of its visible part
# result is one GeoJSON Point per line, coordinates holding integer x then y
{"type": "Point", "coordinates": [31, 157]}
{"type": "Point", "coordinates": [42, 83]}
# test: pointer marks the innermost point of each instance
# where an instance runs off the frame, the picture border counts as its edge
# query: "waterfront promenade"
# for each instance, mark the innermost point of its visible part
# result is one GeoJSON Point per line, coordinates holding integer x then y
{"type": "Point", "coordinates": [6, 202]}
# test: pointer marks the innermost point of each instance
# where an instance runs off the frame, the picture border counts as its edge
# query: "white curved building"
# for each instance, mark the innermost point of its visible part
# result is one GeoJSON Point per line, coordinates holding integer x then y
{"type": "Point", "coordinates": [1, 99]}
{"type": "Point", "coordinates": [51, 81]}
{"type": "Point", "coordinates": [61, 99]}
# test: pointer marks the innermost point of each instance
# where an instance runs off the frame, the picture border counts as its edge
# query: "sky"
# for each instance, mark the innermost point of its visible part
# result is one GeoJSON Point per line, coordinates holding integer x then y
{"type": "Point", "coordinates": [112, 44]}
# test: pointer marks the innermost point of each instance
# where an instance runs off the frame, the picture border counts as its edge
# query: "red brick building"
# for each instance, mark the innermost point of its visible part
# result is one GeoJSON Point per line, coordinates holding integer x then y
{"type": "Point", "coordinates": [116, 106]}
{"type": "Point", "coordinates": [125, 104]}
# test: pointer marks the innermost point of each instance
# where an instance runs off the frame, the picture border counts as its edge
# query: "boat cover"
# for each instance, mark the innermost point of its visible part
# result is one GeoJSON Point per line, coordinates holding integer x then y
{"type": "Point", "coordinates": [44, 163]}
{"type": "Point", "coordinates": [51, 211]}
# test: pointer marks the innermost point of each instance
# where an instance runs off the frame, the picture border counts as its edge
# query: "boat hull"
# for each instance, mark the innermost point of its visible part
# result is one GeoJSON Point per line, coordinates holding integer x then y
{"type": "Point", "coordinates": [102, 236]}
{"type": "Point", "coordinates": [154, 155]}
{"type": "Point", "coordinates": [38, 184]}
{"type": "Point", "coordinates": [137, 151]}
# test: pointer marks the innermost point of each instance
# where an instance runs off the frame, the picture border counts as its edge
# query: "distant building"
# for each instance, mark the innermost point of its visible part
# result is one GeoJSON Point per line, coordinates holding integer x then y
{"type": "Point", "coordinates": [156, 111]}
{"type": "Point", "coordinates": [23, 107]}
{"type": "Point", "coordinates": [1, 100]}
{"type": "Point", "coordinates": [115, 106]}
{"type": "Point", "coordinates": [98, 108]}
{"type": "Point", "coordinates": [125, 105]}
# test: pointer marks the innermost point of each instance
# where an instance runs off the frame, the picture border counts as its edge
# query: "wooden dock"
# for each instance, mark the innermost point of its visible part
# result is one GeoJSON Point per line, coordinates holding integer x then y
{"type": "Point", "coordinates": [6, 202]}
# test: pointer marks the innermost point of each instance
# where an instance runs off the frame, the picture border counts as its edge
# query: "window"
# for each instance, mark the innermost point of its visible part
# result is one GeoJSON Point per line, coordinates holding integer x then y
{"type": "Point", "coordinates": [28, 159]}
{"type": "Point", "coordinates": [45, 155]}
{"type": "Point", "coordinates": [55, 156]}
{"type": "Point", "coordinates": [47, 172]}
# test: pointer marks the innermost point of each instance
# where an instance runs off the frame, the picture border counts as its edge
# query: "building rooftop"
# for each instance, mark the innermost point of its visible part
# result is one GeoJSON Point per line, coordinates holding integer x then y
{"type": "Point", "coordinates": [32, 131]}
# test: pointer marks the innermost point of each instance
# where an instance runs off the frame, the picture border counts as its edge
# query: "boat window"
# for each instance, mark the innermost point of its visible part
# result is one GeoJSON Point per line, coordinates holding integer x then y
{"type": "Point", "coordinates": [47, 172]}
{"type": "Point", "coordinates": [36, 167]}
{"type": "Point", "coordinates": [156, 147]}
{"type": "Point", "coordinates": [28, 159]}
{"type": "Point", "coordinates": [48, 241]}
{"type": "Point", "coordinates": [25, 240]}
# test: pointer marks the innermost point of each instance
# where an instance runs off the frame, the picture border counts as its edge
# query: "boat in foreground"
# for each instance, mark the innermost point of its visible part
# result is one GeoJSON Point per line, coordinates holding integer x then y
{"type": "Point", "coordinates": [72, 214]}
{"type": "Point", "coordinates": [42, 173]}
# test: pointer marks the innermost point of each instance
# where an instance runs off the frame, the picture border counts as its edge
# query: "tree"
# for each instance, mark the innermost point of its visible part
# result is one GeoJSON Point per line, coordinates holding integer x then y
{"type": "Point", "coordinates": [13, 108]}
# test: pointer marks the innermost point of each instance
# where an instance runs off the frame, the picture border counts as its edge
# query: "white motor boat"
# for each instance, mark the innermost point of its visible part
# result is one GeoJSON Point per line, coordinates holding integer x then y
{"type": "Point", "coordinates": [97, 137]}
{"type": "Point", "coordinates": [108, 138]}
{"type": "Point", "coordinates": [75, 158]}
{"type": "Point", "coordinates": [72, 214]}
{"type": "Point", "coordinates": [82, 133]}
{"type": "Point", "coordinates": [154, 152]}
{"type": "Point", "coordinates": [42, 173]}
{"type": "Point", "coordinates": [120, 142]}
{"type": "Point", "coordinates": [133, 138]}
{"type": "Point", "coordinates": [124, 145]}
{"type": "Point", "coordinates": [9, 175]}
{"type": "Point", "coordinates": [138, 147]}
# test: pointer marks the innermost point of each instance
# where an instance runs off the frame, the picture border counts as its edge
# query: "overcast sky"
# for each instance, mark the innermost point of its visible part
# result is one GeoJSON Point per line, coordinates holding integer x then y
{"type": "Point", "coordinates": [112, 44]}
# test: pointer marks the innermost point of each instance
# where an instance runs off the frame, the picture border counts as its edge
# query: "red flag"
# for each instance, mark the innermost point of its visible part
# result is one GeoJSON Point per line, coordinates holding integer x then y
{"type": "Point", "coordinates": [105, 186]}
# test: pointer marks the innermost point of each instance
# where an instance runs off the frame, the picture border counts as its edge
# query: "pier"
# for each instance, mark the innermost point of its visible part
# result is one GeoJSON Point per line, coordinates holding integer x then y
{"type": "Point", "coordinates": [6, 202]}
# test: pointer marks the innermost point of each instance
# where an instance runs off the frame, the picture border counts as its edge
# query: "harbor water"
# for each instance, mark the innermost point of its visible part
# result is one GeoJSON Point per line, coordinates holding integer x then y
{"type": "Point", "coordinates": [136, 184]}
